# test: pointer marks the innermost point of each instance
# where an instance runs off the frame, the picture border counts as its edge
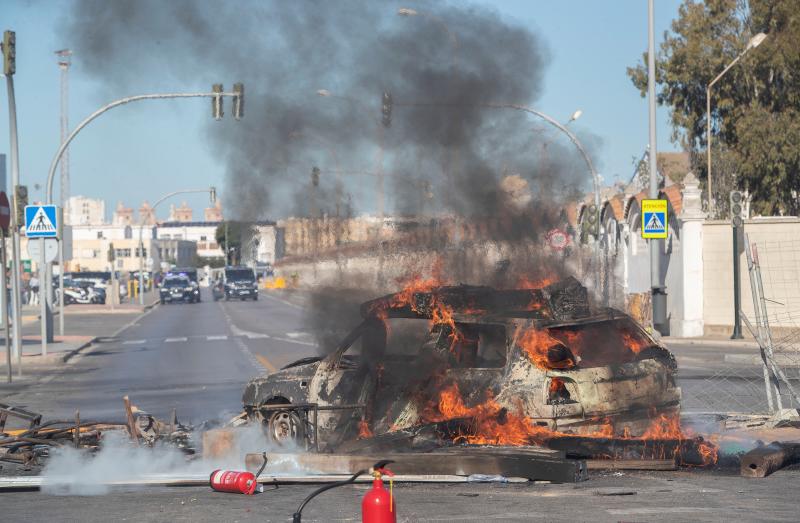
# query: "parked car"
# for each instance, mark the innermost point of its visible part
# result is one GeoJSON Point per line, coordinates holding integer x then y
{"type": "Point", "coordinates": [541, 355]}
{"type": "Point", "coordinates": [240, 283]}
{"type": "Point", "coordinates": [177, 289]}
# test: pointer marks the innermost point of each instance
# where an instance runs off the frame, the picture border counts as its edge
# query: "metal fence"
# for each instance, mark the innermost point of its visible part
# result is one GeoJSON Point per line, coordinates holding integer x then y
{"type": "Point", "coordinates": [768, 378]}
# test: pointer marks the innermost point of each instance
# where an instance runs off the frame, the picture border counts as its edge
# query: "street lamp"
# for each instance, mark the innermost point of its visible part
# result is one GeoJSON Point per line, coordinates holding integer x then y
{"type": "Point", "coordinates": [212, 195]}
{"type": "Point", "coordinates": [408, 12]}
{"type": "Point", "coordinates": [577, 114]}
{"type": "Point", "coordinates": [752, 44]}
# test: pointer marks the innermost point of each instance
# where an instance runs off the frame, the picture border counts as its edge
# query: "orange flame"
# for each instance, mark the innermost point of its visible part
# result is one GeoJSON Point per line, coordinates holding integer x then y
{"type": "Point", "coordinates": [364, 430]}
{"type": "Point", "coordinates": [493, 424]}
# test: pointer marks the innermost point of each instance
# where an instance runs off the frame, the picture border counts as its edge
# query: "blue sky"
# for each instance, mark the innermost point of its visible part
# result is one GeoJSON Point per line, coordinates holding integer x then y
{"type": "Point", "coordinates": [144, 151]}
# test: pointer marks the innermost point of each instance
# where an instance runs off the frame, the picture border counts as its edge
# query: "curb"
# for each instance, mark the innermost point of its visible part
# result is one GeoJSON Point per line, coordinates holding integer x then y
{"type": "Point", "coordinates": [78, 349]}
{"type": "Point", "coordinates": [711, 341]}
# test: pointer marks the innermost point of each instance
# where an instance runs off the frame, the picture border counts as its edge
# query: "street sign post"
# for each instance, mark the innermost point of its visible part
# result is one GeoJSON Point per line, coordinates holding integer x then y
{"type": "Point", "coordinates": [50, 249]}
{"type": "Point", "coordinates": [654, 219]}
{"type": "Point", "coordinates": [41, 221]}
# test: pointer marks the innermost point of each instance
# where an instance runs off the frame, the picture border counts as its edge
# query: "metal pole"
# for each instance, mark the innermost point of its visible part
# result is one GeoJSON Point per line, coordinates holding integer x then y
{"type": "Point", "coordinates": [659, 295]}
{"type": "Point", "coordinates": [61, 272]}
{"type": "Point", "coordinates": [4, 301]}
{"type": "Point", "coordinates": [737, 300]}
{"type": "Point", "coordinates": [42, 296]}
{"type": "Point", "coordinates": [15, 247]}
{"type": "Point", "coordinates": [708, 151]}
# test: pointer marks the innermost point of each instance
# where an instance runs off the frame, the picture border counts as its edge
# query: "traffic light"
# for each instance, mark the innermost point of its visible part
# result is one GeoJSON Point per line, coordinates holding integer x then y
{"type": "Point", "coordinates": [111, 254]}
{"type": "Point", "coordinates": [590, 222]}
{"type": "Point", "coordinates": [9, 53]}
{"type": "Point", "coordinates": [737, 208]}
{"type": "Point", "coordinates": [20, 201]}
{"type": "Point", "coordinates": [216, 102]}
{"type": "Point", "coordinates": [386, 109]}
{"type": "Point", "coordinates": [315, 176]}
{"type": "Point", "coordinates": [238, 100]}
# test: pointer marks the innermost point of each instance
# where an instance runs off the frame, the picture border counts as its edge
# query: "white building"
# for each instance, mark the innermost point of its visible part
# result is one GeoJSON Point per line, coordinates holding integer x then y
{"type": "Point", "coordinates": [80, 210]}
{"type": "Point", "coordinates": [202, 233]}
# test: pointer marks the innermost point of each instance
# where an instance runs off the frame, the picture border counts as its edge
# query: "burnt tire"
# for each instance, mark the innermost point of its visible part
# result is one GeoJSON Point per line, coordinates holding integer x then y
{"type": "Point", "coordinates": [285, 427]}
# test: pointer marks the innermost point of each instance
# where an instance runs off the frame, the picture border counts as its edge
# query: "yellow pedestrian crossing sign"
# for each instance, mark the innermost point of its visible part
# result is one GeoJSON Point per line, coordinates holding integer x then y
{"type": "Point", "coordinates": [654, 219]}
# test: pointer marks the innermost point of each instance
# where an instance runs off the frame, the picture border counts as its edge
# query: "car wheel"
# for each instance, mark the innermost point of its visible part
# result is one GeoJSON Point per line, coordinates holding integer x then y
{"type": "Point", "coordinates": [286, 428]}
{"type": "Point", "coordinates": [163, 301]}
{"type": "Point", "coordinates": [255, 298]}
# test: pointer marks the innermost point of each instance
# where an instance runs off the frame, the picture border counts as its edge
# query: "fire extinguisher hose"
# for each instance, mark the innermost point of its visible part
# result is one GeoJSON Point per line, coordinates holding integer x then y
{"type": "Point", "coordinates": [297, 517]}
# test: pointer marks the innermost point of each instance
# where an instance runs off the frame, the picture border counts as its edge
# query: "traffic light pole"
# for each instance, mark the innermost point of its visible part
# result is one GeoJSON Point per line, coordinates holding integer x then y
{"type": "Point", "coordinates": [217, 95]}
{"type": "Point", "coordinates": [737, 288]}
{"type": "Point", "coordinates": [15, 250]}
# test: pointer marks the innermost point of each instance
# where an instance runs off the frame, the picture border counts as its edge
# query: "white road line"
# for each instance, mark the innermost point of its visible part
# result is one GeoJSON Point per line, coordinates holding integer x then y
{"type": "Point", "coordinates": [298, 342]}
{"type": "Point", "coordinates": [216, 338]}
{"type": "Point", "coordinates": [256, 336]}
{"type": "Point", "coordinates": [290, 304]}
{"type": "Point", "coordinates": [175, 340]}
{"type": "Point", "coordinates": [134, 342]}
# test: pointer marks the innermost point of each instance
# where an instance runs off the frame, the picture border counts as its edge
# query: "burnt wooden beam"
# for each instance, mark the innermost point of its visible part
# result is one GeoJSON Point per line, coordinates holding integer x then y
{"type": "Point", "coordinates": [545, 467]}
{"type": "Point", "coordinates": [763, 461]}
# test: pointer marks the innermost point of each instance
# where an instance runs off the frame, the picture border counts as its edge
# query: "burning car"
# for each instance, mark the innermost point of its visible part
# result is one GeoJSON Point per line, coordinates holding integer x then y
{"type": "Point", "coordinates": [519, 365]}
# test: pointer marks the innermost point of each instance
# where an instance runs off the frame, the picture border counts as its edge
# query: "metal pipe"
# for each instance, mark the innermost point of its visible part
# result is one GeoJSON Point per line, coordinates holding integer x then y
{"type": "Point", "coordinates": [15, 248]}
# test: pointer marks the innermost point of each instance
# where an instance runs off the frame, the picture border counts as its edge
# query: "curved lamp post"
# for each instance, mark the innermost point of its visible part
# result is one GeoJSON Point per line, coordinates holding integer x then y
{"type": "Point", "coordinates": [237, 95]}
{"type": "Point", "coordinates": [212, 193]}
{"type": "Point", "coordinates": [752, 44]}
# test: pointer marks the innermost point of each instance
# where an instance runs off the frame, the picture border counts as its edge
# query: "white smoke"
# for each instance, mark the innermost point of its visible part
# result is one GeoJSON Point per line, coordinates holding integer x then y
{"type": "Point", "coordinates": [71, 471]}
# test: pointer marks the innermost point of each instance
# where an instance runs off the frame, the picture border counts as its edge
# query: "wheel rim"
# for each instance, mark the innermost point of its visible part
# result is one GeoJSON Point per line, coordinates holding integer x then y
{"type": "Point", "coordinates": [284, 427]}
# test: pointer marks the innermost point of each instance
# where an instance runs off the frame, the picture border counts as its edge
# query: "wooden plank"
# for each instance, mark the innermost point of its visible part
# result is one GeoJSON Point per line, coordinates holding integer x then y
{"type": "Point", "coordinates": [631, 464]}
{"type": "Point", "coordinates": [465, 463]}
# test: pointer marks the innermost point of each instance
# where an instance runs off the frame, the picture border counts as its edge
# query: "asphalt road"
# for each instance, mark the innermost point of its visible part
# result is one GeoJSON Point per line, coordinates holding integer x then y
{"type": "Point", "coordinates": [604, 497]}
{"type": "Point", "coordinates": [195, 358]}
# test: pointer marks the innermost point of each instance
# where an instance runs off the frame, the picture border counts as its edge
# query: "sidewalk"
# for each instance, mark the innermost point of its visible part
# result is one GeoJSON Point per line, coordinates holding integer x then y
{"type": "Point", "coordinates": [712, 341]}
{"type": "Point", "coordinates": [60, 350]}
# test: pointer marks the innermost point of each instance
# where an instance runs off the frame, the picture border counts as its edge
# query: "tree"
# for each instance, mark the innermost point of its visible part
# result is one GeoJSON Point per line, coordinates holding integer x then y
{"type": "Point", "coordinates": [754, 119]}
{"type": "Point", "coordinates": [232, 239]}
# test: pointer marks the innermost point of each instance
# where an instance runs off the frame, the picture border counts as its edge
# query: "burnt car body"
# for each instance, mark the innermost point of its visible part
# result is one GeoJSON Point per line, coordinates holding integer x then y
{"type": "Point", "coordinates": [540, 353]}
{"type": "Point", "coordinates": [178, 290]}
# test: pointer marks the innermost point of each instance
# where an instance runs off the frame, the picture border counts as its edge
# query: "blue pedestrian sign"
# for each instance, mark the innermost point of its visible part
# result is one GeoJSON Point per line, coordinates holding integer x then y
{"type": "Point", "coordinates": [654, 219]}
{"type": "Point", "coordinates": [41, 221]}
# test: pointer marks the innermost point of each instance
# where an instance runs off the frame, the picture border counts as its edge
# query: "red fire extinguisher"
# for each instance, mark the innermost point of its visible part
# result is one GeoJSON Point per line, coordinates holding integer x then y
{"type": "Point", "coordinates": [235, 481]}
{"type": "Point", "coordinates": [371, 514]}
{"type": "Point", "coordinates": [378, 504]}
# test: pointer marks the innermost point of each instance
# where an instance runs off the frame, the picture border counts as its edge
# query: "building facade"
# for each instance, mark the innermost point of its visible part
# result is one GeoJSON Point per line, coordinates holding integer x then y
{"type": "Point", "coordinates": [80, 210]}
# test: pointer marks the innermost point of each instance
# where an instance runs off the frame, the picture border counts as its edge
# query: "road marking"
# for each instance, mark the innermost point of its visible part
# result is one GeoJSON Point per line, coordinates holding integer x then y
{"type": "Point", "coordinates": [255, 361]}
{"type": "Point", "coordinates": [290, 304]}
{"type": "Point", "coordinates": [134, 342]}
{"type": "Point", "coordinates": [257, 336]}
{"type": "Point", "coordinates": [216, 338]}
{"type": "Point", "coordinates": [265, 362]}
{"type": "Point", "coordinates": [298, 342]}
{"type": "Point", "coordinates": [175, 340]}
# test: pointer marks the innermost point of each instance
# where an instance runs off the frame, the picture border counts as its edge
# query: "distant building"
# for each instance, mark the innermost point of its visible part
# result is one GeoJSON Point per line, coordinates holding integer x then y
{"type": "Point", "coordinates": [180, 214]}
{"type": "Point", "coordinates": [80, 210]}
{"type": "Point", "coordinates": [147, 214]}
{"type": "Point", "coordinates": [213, 214]}
{"type": "Point", "coordinates": [202, 233]}
{"type": "Point", "coordinates": [122, 215]}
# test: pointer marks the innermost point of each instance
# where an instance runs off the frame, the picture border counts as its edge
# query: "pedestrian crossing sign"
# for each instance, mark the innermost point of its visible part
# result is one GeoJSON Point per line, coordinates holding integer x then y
{"type": "Point", "coordinates": [654, 219]}
{"type": "Point", "coordinates": [41, 221]}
